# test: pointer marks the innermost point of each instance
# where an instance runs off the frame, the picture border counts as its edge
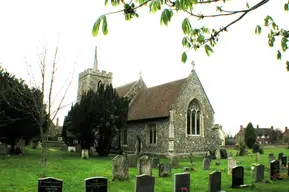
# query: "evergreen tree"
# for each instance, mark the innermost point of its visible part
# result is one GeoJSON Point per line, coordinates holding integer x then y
{"type": "Point", "coordinates": [250, 135]}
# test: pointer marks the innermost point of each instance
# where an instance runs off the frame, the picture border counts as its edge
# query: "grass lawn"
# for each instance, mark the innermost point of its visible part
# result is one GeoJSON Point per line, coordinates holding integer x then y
{"type": "Point", "coordinates": [20, 173]}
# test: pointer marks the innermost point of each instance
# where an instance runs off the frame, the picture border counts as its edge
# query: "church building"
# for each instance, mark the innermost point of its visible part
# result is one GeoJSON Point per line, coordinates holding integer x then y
{"type": "Point", "coordinates": [167, 119]}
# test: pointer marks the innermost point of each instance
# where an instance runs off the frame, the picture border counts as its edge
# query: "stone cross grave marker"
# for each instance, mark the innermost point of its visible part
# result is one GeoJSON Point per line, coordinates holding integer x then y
{"type": "Point", "coordinates": [49, 184]}
{"type": "Point", "coordinates": [271, 157]}
{"type": "Point", "coordinates": [284, 161]}
{"type": "Point", "coordinates": [231, 163]}
{"type": "Point", "coordinates": [145, 166]}
{"type": "Point", "coordinates": [132, 160]}
{"type": "Point", "coordinates": [280, 155]}
{"type": "Point", "coordinates": [218, 154]}
{"type": "Point", "coordinates": [182, 182]}
{"type": "Point", "coordinates": [174, 162]}
{"type": "Point", "coordinates": [3, 149]}
{"type": "Point", "coordinates": [120, 168]}
{"type": "Point", "coordinates": [238, 177]}
{"type": "Point", "coordinates": [144, 183]}
{"type": "Point", "coordinates": [96, 184]}
{"type": "Point", "coordinates": [259, 172]}
{"type": "Point", "coordinates": [274, 170]}
{"type": "Point", "coordinates": [165, 170]}
{"type": "Point", "coordinates": [206, 163]}
{"type": "Point", "coordinates": [215, 181]}
{"type": "Point", "coordinates": [257, 156]}
{"type": "Point", "coordinates": [155, 162]}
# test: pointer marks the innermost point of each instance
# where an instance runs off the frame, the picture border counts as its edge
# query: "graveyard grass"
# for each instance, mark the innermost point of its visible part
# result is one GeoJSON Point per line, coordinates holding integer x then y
{"type": "Point", "coordinates": [20, 173]}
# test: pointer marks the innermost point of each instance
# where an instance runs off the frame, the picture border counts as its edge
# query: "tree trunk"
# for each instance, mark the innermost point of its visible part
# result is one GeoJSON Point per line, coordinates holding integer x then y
{"type": "Point", "coordinates": [43, 154]}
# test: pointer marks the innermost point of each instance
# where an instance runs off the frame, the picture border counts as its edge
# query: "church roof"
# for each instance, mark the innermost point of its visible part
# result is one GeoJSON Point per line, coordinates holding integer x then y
{"type": "Point", "coordinates": [155, 102]}
{"type": "Point", "coordinates": [124, 89]}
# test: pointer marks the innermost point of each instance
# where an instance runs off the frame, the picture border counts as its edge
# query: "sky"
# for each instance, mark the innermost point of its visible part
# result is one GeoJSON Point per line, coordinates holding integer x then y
{"type": "Point", "coordinates": [242, 78]}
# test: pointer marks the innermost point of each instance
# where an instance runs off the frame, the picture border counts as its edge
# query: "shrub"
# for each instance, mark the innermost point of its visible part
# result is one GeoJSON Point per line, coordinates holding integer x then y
{"type": "Point", "coordinates": [250, 136]}
{"type": "Point", "coordinates": [241, 149]}
{"type": "Point", "coordinates": [257, 148]}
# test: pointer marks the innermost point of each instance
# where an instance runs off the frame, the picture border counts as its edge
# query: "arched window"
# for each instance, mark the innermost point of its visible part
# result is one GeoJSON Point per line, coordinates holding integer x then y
{"type": "Point", "coordinates": [194, 118]}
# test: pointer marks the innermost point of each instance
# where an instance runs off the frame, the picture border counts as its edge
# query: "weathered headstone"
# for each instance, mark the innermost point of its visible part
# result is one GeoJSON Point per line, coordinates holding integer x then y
{"type": "Point", "coordinates": [145, 166]}
{"type": "Point", "coordinates": [280, 155]}
{"type": "Point", "coordinates": [259, 172]}
{"type": "Point", "coordinates": [3, 149]}
{"type": "Point", "coordinates": [182, 182]}
{"type": "Point", "coordinates": [71, 149]}
{"type": "Point", "coordinates": [224, 154]}
{"type": "Point", "coordinates": [144, 183]}
{"type": "Point", "coordinates": [165, 170]}
{"type": "Point", "coordinates": [230, 155]}
{"type": "Point", "coordinates": [132, 160]}
{"type": "Point", "coordinates": [215, 181]}
{"type": "Point", "coordinates": [206, 163]}
{"type": "Point", "coordinates": [284, 161]}
{"type": "Point", "coordinates": [120, 168]}
{"type": "Point", "coordinates": [84, 154]}
{"type": "Point", "coordinates": [174, 161]}
{"type": "Point", "coordinates": [271, 157]}
{"type": "Point", "coordinates": [257, 156]}
{"type": "Point", "coordinates": [218, 154]}
{"type": "Point", "coordinates": [155, 162]}
{"type": "Point", "coordinates": [274, 170]}
{"type": "Point", "coordinates": [95, 184]}
{"type": "Point", "coordinates": [238, 177]}
{"type": "Point", "coordinates": [39, 145]}
{"type": "Point", "coordinates": [231, 163]}
{"type": "Point", "coordinates": [50, 184]}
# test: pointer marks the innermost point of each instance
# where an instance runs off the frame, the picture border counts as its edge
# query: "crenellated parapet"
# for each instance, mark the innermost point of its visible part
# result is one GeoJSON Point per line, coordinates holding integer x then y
{"type": "Point", "coordinates": [96, 72]}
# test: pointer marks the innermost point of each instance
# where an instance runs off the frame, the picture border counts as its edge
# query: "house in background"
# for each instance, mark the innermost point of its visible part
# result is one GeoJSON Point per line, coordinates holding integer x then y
{"type": "Point", "coordinates": [219, 129]}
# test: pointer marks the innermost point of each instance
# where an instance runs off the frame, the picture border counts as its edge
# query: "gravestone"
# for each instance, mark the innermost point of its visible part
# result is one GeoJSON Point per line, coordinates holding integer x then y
{"type": "Point", "coordinates": [182, 182]}
{"type": "Point", "coordinates": [144, 165]}
{"type": "Point", "coordinates": [280, 155]}
{"type": "Point", "coordinates": [259, 172]}
{"type": "Point", "coordinates": [218, 154]}
{"type": "Point", "coordinates": [144, 183]}
{"type": "Point", "coordinates": [120, 168]}
{"type": "Point", "coordinates": [231, 163]}
{"type": "Point", "coordinates": [206, 163]}
{"type": "Point", "coordinates": [49, 184]}
{"type": "Point", "coordinates": [215, 181]}
{"type": "Point", "coordinates": [174, 161]}
{"type": "Point", "coordinates": [257, 156]}
{"type": "Point", "coordinates": [71, 149]}
{"type": "Point", "coordinates": [274, 170]}
{"type": "Point", "coordinates": [284, 161]}
{"type": "Point", "coordinates": [165, 170]}
{"type": "Point", "coordinates": [271, 157]}
{"type": "Point", "coordinates": [155, 162]}
{"type": "Point", "coordinates": [84, 154]}
{"type": "Point", "coordinates": [95, 184]}
{"type": "Point", "coordinates": [39, 145]}
{"type": "Point", "coordinates": [3, 149]}
{"type": "Point", "coordinates": [238, 177]}
{"type": "Point", "coordinates": [230, 155]}
{"type": "Point", "coordinates": [132, 160]}
{"type": "Point", "coordinates": [224, 154]}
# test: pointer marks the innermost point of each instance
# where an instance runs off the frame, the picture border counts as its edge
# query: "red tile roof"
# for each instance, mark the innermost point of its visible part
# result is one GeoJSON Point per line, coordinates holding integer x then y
{"type": "Point", "coordinates": [123, 90]}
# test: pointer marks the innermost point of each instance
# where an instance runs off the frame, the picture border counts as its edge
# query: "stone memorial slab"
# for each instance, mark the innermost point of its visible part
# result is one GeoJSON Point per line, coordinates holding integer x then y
{"type": "Point", "coordinates": [274, 170]}
{"type": "Point", "coordinates": [284, 161]}
{"type": "Point", "coordinates": [231, 163]}
{"type": "Point", "coordinates": [224, 154]}
{"type": "Point", "coordinates": [206, 163]}
{"type": "Point", "coordinates": [175, 161]}
{"type": "Point", "coordinates": [182, 182]}
{"type": "Point", "coordinates": [144, 183]}
{"type": "Point", "coordinates": [238, 177]}
{"type": "Point", "coordinates": [271, 157]}
{"type": "Point", "coordinates": [259, 172]}
{"type": "Point", "coordinates": [257, 156]}
{"type": "Point", "coordinates": [120, 168]}
{"type": "Point", "coordinates": [84, 153]}
{"type": "Point", "coordinates": [71, 149]}
{"type": "Point", "coordinates": [50, 184]}
{"type": "Point", "coordinates": [132, 160]}
{"type": "Point", "coordinates": [165, 170]}
{"type": "Point", "coordinates": [145, 166]}
{"type": "Point", "coordinates": [96, 184]}
{"type": "Point", "coordinates": [230, 155]}
{"type": "Point", "coordinates": [215, 181]}
{"type": "Point", "coordinates": [218, 154]}
{"type": "Point", "coordinates": [280, 155]}
{"type": "Point", "coordinates": [155, 162]}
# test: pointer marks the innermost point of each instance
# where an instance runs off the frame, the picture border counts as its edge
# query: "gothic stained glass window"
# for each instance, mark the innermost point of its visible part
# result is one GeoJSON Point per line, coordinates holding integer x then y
{"type": "Point", "coordinates": [194, 118]}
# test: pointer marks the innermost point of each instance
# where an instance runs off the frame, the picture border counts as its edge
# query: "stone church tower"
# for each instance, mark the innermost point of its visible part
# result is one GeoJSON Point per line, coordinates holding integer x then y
{"type": "Point", "coordinates": [91, 77]}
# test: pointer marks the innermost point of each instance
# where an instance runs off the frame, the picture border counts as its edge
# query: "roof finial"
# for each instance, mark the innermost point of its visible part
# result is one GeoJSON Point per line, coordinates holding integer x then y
{"type": "Point", "coordinates": [193, 65]}
{"type": "Point", "coordinates": [95, 63]}
{"type": "Point", "coordinates": [140, 73]}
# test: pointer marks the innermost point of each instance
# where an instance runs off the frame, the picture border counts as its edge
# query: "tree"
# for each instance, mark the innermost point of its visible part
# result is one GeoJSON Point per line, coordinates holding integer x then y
{"type": "Point", "coordinates": [200, 37]}
{"type": "Point", "coordinates": [250, 135]}
{"type": "Point", "coordinates": [97, 118]}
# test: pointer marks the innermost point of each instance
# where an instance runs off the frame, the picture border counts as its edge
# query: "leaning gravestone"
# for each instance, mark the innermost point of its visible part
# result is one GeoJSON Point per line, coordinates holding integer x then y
{"type": "Point", "coordinates": [96, 184]}
{"type": "Point", "coordinates": [120, 168]}
{"type": "Point", "coordinates": [284, 161]}
{"type": "Point", "coordinates": [257, 156]}
{"type": "Point", "coordinates": [145, 166]}
{"type": "Point", "coordinates": [238, 177]}
{"type": "Point", "coordinates": [3, 149]}
{"type": "Point", "coordinates": [182, 182]}
{"type": "Point", "coordinates": [215, 181]}
{"type": "Point", "coordinates": [132, 160]}
{"type": "Point", "coordinates": [231, 163]}
{"type": "Point", "coordinates": [144, 183]}
{"type": "Point", "coordinates": [165, 170]}
{"type": "Point", "coordinates": [259, 172]}
{"type": "Point", "coordinates": [206, 163]}
{"type": "Point", "coordinates": [280, 155]}
{"type": "Point", "coordinates": [274, 170]}
{"type": "Point", "coordinates": [155, 162]}
{"type": "Point", "coordinates": [174, 161]}
{"type": "Point", "coordinates": [50, 184]}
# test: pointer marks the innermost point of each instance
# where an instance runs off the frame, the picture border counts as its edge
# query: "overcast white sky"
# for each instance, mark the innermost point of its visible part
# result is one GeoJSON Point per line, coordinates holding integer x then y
{"type": "Point", "coordinates": [242, 79]}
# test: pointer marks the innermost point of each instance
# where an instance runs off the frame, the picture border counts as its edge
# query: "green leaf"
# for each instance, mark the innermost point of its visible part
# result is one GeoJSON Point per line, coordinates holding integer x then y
{"type": "Point", "coordinates": [247, 5]}
{"type": "Point", "coordinates": [155, 6]}
{"type": "Point", "coordinates": [184, 57]}
{"type": "Point", "coordinates": [104, 25]}
{"type": "Point", "coordinates": [96, 25]}
{"type": "Point", "coordinates": [166, 16]}
{"type": "Point", "coordinates": [208, 49]}
{"type": "Point", "coordinates": [267, 20]}
{"type": "Point", "coordinates": [105, 2]}
{"type": "Point", "coordinates": [258, 30]}
{"type": "Point", "coordinates": [284, 43]}
{"type": "Point", "coordinates": [286, 6]}
{"type": "Point", "coordinates": [219, 8]}
{"type": "Point", "coordinates": [186, 26]}
{"type": "Point", "coordinates": [279, 55]}
{"type": "Point", "coordinates": [186, 42]}
{"type": "Point", "coordinates": [287, 65]}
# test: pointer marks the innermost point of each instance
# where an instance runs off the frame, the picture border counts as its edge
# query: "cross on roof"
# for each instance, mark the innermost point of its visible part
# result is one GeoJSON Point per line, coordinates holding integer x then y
{"type": "Point", "coordinates": [193, 65]}
{"type": "Point", "coordinates": [140, 73]}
